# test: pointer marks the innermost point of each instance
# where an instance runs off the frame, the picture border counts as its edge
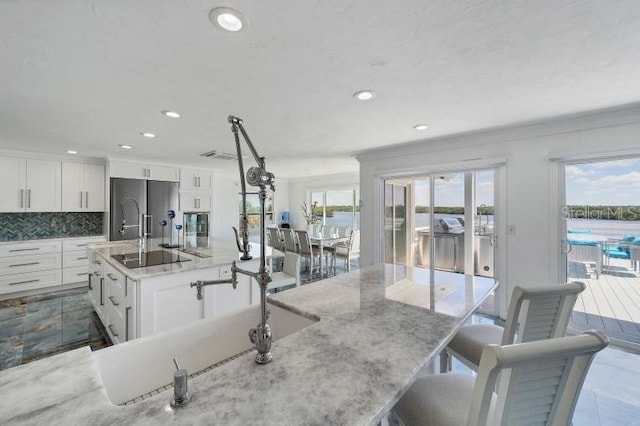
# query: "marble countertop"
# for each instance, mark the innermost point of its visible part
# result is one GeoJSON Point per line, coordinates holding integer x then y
{"type": "Point", "coordinates": [378, 326]}
{"type": "Point", "coordinates": [218, 253]}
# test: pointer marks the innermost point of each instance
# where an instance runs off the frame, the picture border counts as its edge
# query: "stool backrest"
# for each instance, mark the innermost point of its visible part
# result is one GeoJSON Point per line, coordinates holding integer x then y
{"type": "Point", "coordinates": [540, 312]}
{"type": "Point", "coordinates": [537, 382]}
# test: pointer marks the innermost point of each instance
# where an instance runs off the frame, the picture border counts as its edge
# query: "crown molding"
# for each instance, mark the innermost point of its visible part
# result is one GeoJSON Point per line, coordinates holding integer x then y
{"type": "Point", "coordinates": [609, 117]}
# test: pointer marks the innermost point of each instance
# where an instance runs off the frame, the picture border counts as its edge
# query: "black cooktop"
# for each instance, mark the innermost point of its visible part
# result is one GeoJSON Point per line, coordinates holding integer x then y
{"type": "Point", "coordinates": [149, 258]}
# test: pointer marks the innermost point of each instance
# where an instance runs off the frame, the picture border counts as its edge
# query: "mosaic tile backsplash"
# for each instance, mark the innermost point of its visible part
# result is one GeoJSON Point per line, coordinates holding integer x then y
{"type": "Point", "coordinates": [33, 226]}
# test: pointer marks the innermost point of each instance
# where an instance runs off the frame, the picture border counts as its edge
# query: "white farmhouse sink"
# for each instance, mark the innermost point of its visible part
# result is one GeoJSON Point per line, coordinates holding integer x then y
{"type": "Point", "coordinates": [140, 366]}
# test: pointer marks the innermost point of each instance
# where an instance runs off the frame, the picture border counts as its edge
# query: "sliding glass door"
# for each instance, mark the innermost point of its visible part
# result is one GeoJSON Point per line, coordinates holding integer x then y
{"type": "Point", "coordinates": [442, 221]}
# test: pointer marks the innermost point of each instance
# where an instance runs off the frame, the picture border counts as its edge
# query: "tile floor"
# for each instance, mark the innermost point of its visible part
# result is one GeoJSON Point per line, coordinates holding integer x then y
{"type": "Point", "coordinates": [35, 327]}
{"type": "Point", "coordinates": [38, 326]}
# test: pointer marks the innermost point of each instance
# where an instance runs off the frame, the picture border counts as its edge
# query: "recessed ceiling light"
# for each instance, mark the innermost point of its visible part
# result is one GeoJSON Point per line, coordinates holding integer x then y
{"type": "Point", "coordinates": [125, 146]}
{"type": "Point", "coordinates": [364, 95]}
{"type": "Point", "coordinates": [420, 127]}
{"type": "Point", "coordinates": [148, 135]}
{"type": "Point", "coordinates": [171, 114]}
{"type": "Point", "coordinates": [70, 151]}
{"type": "Point", "coordinates": [228, 19]}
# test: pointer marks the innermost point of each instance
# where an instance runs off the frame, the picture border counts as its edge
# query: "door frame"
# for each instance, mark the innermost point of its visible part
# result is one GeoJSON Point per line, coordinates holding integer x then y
{"type": "Point", "coordinates": [500, 215]}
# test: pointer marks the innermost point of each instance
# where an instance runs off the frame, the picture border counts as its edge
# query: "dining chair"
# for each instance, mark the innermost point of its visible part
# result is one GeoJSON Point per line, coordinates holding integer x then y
{"type": "Point", "coordinates": [275, 239]}
{"type": "Point", "coordinates": [528, 383]}
{"type": "Point", "coordinates": [290, 243]}
{"type": "Point", "coordinates": [346, 252]}
{"type": "Point", "coordinates": [306, 249]}
{"type": "Point", "coordinates": [290, 273]}
{"type": "Point", "coordinates": [535, 313]}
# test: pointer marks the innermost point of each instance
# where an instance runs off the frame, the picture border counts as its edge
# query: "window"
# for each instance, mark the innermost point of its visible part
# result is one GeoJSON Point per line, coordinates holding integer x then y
{"type": "Point", "coordinates": [337, 207]}
{"type": "Point", "coordinates": [253, 214]}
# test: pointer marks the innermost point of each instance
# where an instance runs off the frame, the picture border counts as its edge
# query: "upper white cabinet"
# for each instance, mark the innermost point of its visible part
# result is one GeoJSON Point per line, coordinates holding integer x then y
{"type": "Point", "coordinates": [30, 185]}
{"type": "Point", "coordinates": [196, 180]}
{"type": "Point", "coordinates": [82, 187]}
{"type": "Point", "coordinates": [143, 171]}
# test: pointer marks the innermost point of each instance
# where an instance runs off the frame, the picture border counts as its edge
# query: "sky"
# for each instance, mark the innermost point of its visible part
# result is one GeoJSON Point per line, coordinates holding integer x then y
{"type": "Point", "coordinates": [449, 191]}
{"type": "Point", "coordinates": [604, 183]}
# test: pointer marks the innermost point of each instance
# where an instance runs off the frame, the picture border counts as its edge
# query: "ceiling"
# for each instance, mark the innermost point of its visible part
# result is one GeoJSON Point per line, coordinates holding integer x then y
{"type": "Point", "coordinates": [89, 75]}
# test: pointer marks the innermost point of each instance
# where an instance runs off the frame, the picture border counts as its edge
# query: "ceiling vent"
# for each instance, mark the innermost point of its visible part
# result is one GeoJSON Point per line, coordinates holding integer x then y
{"type": "Point", "coordinates": [219, 155]}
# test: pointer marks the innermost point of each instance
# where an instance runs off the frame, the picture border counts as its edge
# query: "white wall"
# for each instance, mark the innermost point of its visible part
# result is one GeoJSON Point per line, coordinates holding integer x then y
{"type": "Point", "coordinates": [532, 253]}
{"type": "Point", "coordinates": [224, 213]}
{"type": "Point", "coordinates": [299, 188]}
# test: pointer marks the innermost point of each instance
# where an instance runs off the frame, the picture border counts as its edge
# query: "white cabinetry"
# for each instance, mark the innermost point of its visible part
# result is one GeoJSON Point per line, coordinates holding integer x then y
{"type": "Point", "coordinates": [82, 187]}
{"type": "Point", "coordinates": [143, 171]}
{"type": "Point", "coordinates": [196, 180]}
{"type": "Point", "coordinates": [195, 201]}
{"type": "Point", "coordinates": [169, 301]}
{"type": "Point", "coordinates": [75, 258]}
{"type": "Point", "coordinates": [196, 190]}
{"type": "Point", "coordinates": [137, 308]}
{"type": "Point", "coordinates": [96, 284]}
{"type": "Point", "coordinates": [39, 264]}
{"type": "Point", "coordinates": [118, 304]}
{"type": "Point", "coordinates": [30, 265]}
{"type": "Point", "coordinates": [29, 185]}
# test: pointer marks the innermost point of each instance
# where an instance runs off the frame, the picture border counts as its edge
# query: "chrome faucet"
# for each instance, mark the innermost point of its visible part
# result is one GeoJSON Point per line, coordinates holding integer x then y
{"type": "Point", "coordinates": [260, 335]}
{"type": "Point", "coordinates": [139, 225]}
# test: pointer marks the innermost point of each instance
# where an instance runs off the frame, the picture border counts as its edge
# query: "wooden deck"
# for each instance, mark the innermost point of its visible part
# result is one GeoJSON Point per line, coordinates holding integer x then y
{"type": "Point", "coordinates": [610, 303]}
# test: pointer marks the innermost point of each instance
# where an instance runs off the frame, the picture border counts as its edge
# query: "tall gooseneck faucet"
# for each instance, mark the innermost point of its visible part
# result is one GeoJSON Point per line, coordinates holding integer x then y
{"type": "Point", "coordinates": [256, 176]}
{"type": "Point", "coordinates": [140, 226]}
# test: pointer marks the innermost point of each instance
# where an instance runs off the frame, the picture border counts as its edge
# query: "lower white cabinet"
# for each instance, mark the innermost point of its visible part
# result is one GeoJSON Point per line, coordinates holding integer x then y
{"type": "Point", "coordinates": [118, 302]}
{"type": "Point", "coordinates": [75, 258]}
{"type": "Point", "coordinates": [130, 309]}
{"type": "Point", "coordinates": [169, 301]}
{"type": "Point", "coordinates": [40, 264]}
{"type": "Point", "coordinates": [30, 265]}
{"type": "Point", "coordinates": [30, 281]}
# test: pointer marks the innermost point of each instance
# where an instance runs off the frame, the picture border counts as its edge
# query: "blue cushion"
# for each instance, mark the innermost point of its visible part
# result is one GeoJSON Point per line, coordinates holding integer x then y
{"type": "Point", "coordinates": [636, 240]}
{"type": "Point", "coordinates": [617, 253]}
{"type": "Point", "coordinates": [583, 243]}
{"type": "Point", "coordinates": [628, 238]}
{"type": "Point", "coordinates": [579, 231]}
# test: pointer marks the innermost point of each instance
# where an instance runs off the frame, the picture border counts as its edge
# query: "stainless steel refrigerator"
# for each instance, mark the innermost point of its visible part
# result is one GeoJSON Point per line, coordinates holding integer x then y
{"type": "Point", "coordinates": [155, 199]}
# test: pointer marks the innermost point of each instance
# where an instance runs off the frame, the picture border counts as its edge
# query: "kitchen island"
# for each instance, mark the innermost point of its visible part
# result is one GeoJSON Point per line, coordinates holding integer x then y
{"type": "Point", "coordinates": [139, 293]}
{"type": "Point", "coordinates": [374, 332]}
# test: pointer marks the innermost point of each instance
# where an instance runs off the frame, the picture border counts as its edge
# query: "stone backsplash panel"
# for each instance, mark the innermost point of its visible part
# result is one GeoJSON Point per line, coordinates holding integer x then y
{"type": "Point", "coordinates": [32, 226]}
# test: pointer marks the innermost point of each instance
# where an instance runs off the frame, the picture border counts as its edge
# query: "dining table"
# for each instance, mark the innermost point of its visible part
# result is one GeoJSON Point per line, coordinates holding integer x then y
{"type": "Point", "coordinates": [321, 240]}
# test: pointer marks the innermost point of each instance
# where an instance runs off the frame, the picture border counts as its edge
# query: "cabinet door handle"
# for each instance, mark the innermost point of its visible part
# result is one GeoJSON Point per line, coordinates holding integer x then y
{"type": "Point", "coordinates": [82, 273]}
{"type": "Point", "coordinates": [22, 198]}
{"type": "Point", "coordinates": [112, 301]}
{"type": "Point", "coordinates": [101, 285]}
{"type": "Point", "coordinates": [111, 277]}
{"type": "Point", "coordinates": [86, 199]}
{"type": "Point", "coordinates": [82, 258]}
{"type": "Point", "coordinates": [26, 249]}
{"type": "Point", "coordinates": [90, 286]}
{"type": "Point", "coordinates": [24, 282]}
{"type": "Point", "coordinates": [80, 199]}
{"type": "Point", "coordinates": [195, 181]}
{"type": "Point", "coordinates": [24, 264]}
{"type": "Point", "coordinates": [28, 198]}
{"type": "Point", "coordinates": [97, 262]}
{"type": "Point", "coordinates": [110, 327]}
{"type": "Point", "coordinates": [198, 181]}
{"type": "Point", "coordinates": [82, 245]}
{"type": "Point", "coordinates": [126, 323]}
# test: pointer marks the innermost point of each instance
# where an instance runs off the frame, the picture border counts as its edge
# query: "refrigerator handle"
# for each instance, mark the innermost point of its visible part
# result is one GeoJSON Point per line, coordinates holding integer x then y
{"type": "Point", "coordinates": [148, 225]}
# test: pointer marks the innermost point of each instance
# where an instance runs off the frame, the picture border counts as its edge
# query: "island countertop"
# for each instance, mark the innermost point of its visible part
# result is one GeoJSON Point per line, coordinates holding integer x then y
{"type": "Point", "coordinates": [375, 332]}
{"type": "Point", "coordinates": [218, 252]}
